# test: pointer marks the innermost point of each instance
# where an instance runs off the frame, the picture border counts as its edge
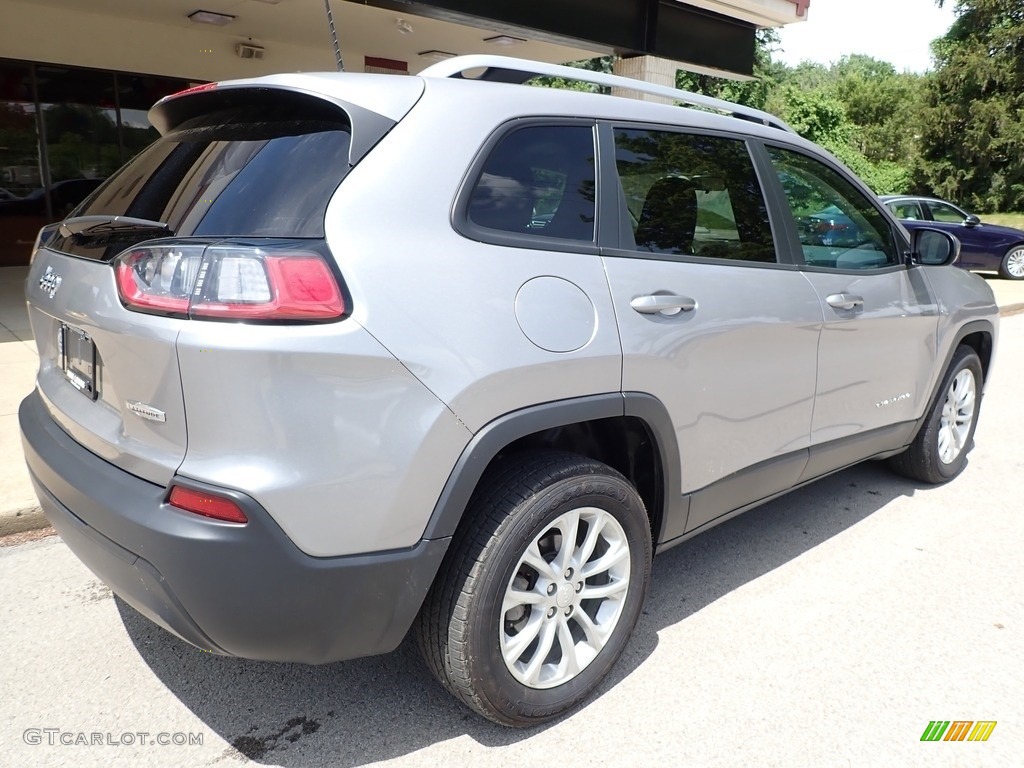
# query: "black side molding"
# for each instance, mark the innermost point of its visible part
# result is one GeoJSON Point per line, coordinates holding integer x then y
{"type": "Point", "coordinates": [493, 437]}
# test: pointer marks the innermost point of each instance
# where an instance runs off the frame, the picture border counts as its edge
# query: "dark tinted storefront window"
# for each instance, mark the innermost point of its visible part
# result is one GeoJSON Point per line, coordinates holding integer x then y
{"type": "Point", "coordinates": [80, 124]}
{"type": "Point", "coordinates": [136, 94]}
{"type": "Point", "coordinates": [92, 121]}
{"type": "Point", "coordinates": [20, 165]}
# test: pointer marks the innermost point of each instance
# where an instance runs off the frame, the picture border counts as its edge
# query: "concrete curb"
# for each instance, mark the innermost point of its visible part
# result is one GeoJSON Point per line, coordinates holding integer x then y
{"type": "Point", "coordinates": [21, 520]}
{"type": "Point", "coordinates": [1012, 309]}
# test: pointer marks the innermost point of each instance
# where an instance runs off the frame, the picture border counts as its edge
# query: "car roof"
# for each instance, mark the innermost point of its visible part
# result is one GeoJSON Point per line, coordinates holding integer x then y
{"type": "Point", "coordinates": [923, 198]}
{"type": "Point", "coordinates": [392, 96]}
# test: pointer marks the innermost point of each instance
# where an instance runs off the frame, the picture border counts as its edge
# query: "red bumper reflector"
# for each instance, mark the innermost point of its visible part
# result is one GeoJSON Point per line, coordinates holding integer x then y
{"type": "Point", "coordinates": [206, 504]}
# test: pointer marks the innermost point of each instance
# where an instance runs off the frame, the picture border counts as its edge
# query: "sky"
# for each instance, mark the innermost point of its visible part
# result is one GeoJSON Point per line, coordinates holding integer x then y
{"type": "Point", "coordinates": [897, 31]}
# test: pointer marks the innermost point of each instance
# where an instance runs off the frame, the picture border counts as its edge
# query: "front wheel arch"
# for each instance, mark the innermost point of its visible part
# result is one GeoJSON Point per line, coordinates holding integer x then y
{"type": "Point", "coordinates": [945, 437]}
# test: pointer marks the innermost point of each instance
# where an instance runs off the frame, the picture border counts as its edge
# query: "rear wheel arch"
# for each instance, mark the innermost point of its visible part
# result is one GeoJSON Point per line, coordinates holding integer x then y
{"type": "Point", "coordinates": [630, 432]}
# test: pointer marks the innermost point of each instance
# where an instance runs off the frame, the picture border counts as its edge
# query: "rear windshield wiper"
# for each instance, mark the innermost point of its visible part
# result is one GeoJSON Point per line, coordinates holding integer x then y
{"type": "Point", "coordinates": [96, 230]}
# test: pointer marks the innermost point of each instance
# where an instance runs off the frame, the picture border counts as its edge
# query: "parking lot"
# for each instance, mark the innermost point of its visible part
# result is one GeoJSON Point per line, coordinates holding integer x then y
{"type": "Point", "coordinates": [826, 628]}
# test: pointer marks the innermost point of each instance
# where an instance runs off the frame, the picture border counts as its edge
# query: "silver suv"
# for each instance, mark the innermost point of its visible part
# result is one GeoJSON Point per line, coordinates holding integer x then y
{"type": "Point", "coordinates": [343, 356]}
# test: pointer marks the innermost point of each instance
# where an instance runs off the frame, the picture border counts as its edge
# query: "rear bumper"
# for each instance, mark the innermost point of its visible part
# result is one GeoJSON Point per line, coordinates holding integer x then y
{"type": "Point", "coordinates": [238, 590]}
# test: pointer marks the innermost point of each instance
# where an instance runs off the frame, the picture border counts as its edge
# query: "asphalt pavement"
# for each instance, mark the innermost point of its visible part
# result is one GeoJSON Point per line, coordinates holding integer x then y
{"type": "Point", "coordinates": [827, 628]}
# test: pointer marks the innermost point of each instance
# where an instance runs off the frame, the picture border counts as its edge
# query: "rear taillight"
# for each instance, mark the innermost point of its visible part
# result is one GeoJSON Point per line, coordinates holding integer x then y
{"type": "Point", "coordinates": [228, 282]}
{"type": "Point", "coordinates": [206, 504]}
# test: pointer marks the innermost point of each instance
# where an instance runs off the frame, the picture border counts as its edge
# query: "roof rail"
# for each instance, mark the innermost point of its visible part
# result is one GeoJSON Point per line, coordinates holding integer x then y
{"type": "Point", "coordinates": [504, 69]}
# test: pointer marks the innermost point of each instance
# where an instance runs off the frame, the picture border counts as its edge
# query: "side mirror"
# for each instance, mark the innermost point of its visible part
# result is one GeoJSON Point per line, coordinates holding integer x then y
{"type": "Point", "coordinates": [934, 248]}
{"type": "Point", "coordinates": [972, 221]}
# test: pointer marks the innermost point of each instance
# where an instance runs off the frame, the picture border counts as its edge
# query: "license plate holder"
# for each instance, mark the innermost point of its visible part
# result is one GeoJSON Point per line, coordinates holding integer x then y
{"type": "Point", "coordinates": [77, 353]}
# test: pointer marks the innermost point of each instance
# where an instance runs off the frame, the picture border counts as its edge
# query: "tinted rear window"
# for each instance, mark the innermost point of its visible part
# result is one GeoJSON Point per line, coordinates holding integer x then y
{"type": "Point", "coordinates": [239, 172]}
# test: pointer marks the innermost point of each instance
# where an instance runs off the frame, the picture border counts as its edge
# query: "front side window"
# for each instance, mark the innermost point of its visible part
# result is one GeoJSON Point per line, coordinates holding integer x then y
{"type": "Point", "coordinates": [838, 226]}
{"type": "Point", "coordinates": [946, 213]}
{"type": "Point", "coordinates": [692, 195]}
{"type": "Point", "coordinates": [538, 180]}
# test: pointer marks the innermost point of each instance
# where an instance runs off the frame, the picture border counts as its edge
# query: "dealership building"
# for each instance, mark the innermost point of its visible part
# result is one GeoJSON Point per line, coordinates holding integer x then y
{"type": "Point", "coordinates": [77, 78]}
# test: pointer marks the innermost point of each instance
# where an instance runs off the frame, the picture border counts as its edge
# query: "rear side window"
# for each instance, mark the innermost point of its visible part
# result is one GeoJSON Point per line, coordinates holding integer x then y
{"type": "Point", "coordinates": [692, 195]}
{"type": "Point", "coordinates": [538, 181]}
{"type": "Point", "coordinates": [239, 172]}
{"type": "Point", "coordinates": [908, 209]}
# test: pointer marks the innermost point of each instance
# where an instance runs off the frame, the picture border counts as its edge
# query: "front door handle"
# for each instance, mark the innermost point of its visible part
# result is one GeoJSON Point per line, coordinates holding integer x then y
{"type": "Point", "coordinates": [662, 305]}
{"type": "Point", "coordinates": [844, 301]}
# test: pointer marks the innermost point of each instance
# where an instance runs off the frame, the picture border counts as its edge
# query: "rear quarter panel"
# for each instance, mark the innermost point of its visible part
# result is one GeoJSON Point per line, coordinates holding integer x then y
{"type": "Point", "coordinates": [445, 305]}
{"type": "Point", "coordinates": [321, 426]}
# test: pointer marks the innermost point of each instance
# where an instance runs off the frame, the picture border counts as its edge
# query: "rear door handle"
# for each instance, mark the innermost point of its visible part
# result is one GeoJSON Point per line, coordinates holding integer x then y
{"type": "Point", "coordinates": [845, 301]}
{"type": "Point", "coordinates": [663, 305]}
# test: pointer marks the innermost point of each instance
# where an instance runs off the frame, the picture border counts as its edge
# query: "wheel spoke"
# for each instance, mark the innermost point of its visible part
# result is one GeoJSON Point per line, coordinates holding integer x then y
{"type": "Point", "coordinates": [944, 447]}
{"type": "Point", "coordinates": [517, 644]}
{"type": "Point", "coordinates": [594, 528]}
{"type": "Point", "coordinates": [615, 555]}
{"type": "Point", "coordinates": [596, 636]}
{"type": "Point", "coordinates": [533, 558]}
{"type": "Point", "coordinates": [569, 525]}
{"type": "Point", "coordinates": [517, 597]}
{"type": "Point", "coordinates": [547, 639]}
{"type": "Point", "coordinates": [570, 665]}
{"type": "Point", "coordinates": [603, 590]}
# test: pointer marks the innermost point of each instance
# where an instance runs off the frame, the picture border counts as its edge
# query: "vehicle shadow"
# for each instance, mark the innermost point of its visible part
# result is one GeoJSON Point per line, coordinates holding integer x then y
{"type": "Point", "coordinates": [368, 710]}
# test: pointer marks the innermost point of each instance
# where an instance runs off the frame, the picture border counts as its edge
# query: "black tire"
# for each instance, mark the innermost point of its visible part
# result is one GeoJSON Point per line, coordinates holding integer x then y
{"type": "Point", "coordinates": [1010, 266]}
{"type": "Point", "coordinates": [462, 627]}
{"type": "Point", "coordinates": [923, 460]}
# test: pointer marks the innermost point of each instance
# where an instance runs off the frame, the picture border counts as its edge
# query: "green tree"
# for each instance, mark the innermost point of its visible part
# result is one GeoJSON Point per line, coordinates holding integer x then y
{"type": "Point", "coordinates": [973, 128]}
{"type": "Point", "coordinates": [821, 116]}
{"type": "Point", "coordinates": [884, 106]}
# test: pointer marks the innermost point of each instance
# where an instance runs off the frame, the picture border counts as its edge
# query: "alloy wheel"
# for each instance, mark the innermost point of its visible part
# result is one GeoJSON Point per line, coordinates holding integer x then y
{"type": "Point", "coordinates": [565, 598]}
{"type": "Point", "coordinates": [957, 417]}
{"type": "Point", "coordinates": [1015, 264]}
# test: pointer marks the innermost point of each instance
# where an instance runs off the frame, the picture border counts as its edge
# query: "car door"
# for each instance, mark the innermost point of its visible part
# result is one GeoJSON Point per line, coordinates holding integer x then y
{"type": "Point", "coordinates": [711, 323]}
{"type": "Point", "coordinates": [976, 251]}
{"type": "Point", "coordinates": [878, 340]}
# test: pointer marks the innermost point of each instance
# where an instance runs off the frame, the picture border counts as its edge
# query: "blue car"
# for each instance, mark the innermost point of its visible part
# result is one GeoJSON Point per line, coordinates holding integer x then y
{"type": "Point", "coordinates": [986, 247]}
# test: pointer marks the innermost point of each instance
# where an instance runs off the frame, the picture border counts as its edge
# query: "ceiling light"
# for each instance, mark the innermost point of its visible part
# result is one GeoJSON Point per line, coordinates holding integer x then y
{"type": "Point", "coordinates": [504, 40]}
{"type": "Point", "coordinates": [211, 17]}
{"type": "Point", "coordinates": [404, 27]}
{"type": "Point", "coordinates": [437, 55]}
